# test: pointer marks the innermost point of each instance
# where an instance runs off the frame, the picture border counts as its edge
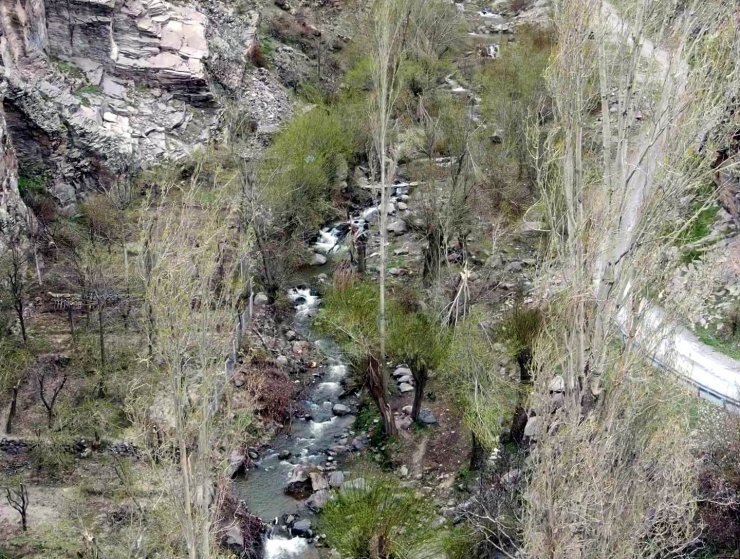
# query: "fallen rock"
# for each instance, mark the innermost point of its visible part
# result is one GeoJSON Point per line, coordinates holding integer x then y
{"type": "Point", "coordinates": [408, 379]}
{"type": "Point", "coordinates": [397, 227]}
{"type": "Point", "coordinates": [557, 384]}
{"type": "Point", "coordinates": [401, 372]}
{"type": "Point", "coordinates": [427, 417]}
{"type": "Point", "coordinates": [407, 409]}
{"type": "Point", "coordinates": [261, 299]}
{"type": "Point", "coordinates": [234, 537]}
{"type": "Point", "coordinates": [318, 259]}
{"type": "Point", "coordinates": [405, 387]}
{"type": "Point", "coordinates": [357, 484]}
{"type": "Point", "coordinates": [237, 463]}
{"type": "Point", "coordinates": [531, 429]}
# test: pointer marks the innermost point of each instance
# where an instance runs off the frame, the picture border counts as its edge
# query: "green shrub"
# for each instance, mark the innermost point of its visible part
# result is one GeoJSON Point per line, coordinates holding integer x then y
{"type": "Point", "coordinates": [53, 458]}
{"type": "Point", "coordinates": [382, 519]}
{"type": "Point", "coordinates": [350, 317]}
{"type": "Point", "coordinates": [301, 169]}
{"type": "Point", "coordinates": [486, 396]}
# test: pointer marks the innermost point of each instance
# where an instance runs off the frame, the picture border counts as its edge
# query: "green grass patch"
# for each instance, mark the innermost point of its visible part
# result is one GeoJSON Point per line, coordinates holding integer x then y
{"type": "Point", "coordinates": [32, 183]}
{"type": "Point", "coordinates": [727, 345]}
{"type": "Point", "coordinates": [382, 519]}
{"type": "Point", "coordinates": [701, 226]}
{"type": "Point", "coordinates": [90, 90]}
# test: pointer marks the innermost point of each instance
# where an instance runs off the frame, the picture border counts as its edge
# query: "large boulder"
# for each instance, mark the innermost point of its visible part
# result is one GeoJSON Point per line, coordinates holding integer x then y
{"type": "Point", "coordinates": [340, 409]}
{"type": "Point", "coordinates": [397, 227]}
{"type": "Point", "coordinates": [302, 529]}
{"type": "Point", "coordinates": [299, 482]}
{"type": "Point", "coordinates": [318, 500]}
{"type": "Point", "coordinates": [318, 481]}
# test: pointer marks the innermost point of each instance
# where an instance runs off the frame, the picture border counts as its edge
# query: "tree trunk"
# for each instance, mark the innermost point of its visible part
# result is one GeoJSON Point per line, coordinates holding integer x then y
{"type": "Point", "coordinates": [477, 453]}
{"type": "Point", "coordinates": [379, 392]}
{"type": "Point", "coordinates": [420, 379]}
{"type": "Point", "coordinates": [432, 256]}
{"type": "Point", "coordinates": [524, 358]}
{"type": "Point", "coordinates": [361, 251]}
{"type": "Point", "coordinates": [101, 340]}
{"type": "Point", "coordinates": [21, 319]}
{"type": "Point", "coordinates": [13, 407]}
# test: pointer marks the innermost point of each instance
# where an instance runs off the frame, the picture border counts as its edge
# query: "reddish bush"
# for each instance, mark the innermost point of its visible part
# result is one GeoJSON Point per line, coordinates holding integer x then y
{"type": "Point", "coordinates": [257, 57]}
{"type": "Point", "coordinates": [271, 389]}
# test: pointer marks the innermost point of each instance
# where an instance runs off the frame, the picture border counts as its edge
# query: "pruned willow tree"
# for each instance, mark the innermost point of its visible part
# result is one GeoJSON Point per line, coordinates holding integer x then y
{"type": "Point", "coordinates": [192, 284]}
{"type": "Point", "coordinates": [638, 90]}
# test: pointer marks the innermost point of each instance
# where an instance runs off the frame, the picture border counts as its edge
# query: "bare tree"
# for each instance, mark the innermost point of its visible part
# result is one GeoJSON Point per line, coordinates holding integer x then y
{"type": "Point", "coordinates": [100, 288]}
{"type": "Point", "coordinates": [17, 497]}
{"type": "Point", "coordinates": [14, 267]}
{"type": "Point", "coordinates": [611, 471]}
{"type": "Point", "coordinates": [50, 400]}
{"type": "Point", "coordinates": [193, 295]}
{"type": "Point", "coordinates": [12, 409]}
{"type": "Point", "coordinates": [390, 21]}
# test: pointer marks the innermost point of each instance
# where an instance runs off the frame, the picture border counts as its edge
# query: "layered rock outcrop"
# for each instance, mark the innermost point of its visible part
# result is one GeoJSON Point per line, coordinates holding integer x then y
{"type": "Point", "coordinates": [97, 89]}
{"type": "Point", "coordinates": [13, 212]}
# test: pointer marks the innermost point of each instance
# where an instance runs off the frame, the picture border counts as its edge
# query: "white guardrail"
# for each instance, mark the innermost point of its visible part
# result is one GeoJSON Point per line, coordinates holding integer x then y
{"type": "Point", "coordinates": [714, 376]}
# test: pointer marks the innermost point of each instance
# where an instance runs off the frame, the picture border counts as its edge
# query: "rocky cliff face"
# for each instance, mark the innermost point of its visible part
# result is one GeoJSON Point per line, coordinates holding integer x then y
{"type": "Point", "coordinates": [13, 213]}
{"type": "Point", "coordinates": [97, 89]}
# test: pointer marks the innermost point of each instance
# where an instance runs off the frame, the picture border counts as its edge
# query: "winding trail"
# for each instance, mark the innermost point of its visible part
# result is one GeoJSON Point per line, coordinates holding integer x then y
{"type": "Point", "coordinates": [715, 376]}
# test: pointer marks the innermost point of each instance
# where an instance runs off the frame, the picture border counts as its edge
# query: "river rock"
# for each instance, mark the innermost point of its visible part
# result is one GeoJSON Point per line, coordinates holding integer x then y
{"type": "Point", "coordinates": [299, 481]}
{"type": "Point", "coordinates": [237, 463]}
{"type": "Point", "coordinates": [401, 371]}
{"type": "Point", "coordinates": [407, 409]}
{"type": "Point", "coordinates": [336, 479]}
{"type": "Point", "coordinates": [302, 528]}
{"type": "Point", "coordinates": [284, 454]}
{"type": "Point", "coordinates": [405, 387]}
{"type": "Point", "coordinates": [318, 481]}
{"type": "Point", "coordinates": [340, 409]}
{"type": "Point", "coordinates": [318, 500]}
{"type": "Point", "coordinates": [282, 360]}
{"type": "Point", "coordinates": [261, 299]}
{"type": "Point", "coordinates": [408, 379]}
{"type": "Point", "coordinates": [318, 259]}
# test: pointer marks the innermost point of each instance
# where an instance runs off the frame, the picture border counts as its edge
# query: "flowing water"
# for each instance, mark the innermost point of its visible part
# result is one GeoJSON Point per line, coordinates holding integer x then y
{"type": "Point", "coordinates": [308, 439]}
